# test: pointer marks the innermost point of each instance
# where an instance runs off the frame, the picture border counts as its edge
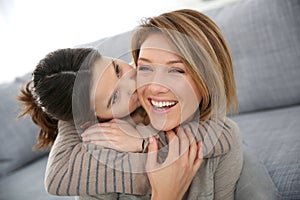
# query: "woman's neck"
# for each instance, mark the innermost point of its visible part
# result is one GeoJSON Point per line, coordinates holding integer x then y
{"type": "Point", "coordinates": [139, 116]}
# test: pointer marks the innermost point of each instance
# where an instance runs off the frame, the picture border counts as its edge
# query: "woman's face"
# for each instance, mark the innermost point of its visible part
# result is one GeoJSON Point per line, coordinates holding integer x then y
{"type": "Point", "coordinates": [165, 88]}
{"type": "Point", "coordinates": [113, 88]}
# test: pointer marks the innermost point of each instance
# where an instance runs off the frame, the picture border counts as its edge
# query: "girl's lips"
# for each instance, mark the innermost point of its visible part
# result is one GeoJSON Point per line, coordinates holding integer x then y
{"type": "Point", "coordinates": [161, 106]}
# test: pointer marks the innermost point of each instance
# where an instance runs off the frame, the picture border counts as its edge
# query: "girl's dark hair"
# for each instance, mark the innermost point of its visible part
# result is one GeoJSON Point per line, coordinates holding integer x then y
{"type": "Point", "coordinates": [50, 95]}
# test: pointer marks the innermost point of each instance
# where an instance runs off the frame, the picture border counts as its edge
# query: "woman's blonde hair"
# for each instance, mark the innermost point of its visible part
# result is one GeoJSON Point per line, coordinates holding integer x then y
{"type": "Point", "coordinates": [203, 50]}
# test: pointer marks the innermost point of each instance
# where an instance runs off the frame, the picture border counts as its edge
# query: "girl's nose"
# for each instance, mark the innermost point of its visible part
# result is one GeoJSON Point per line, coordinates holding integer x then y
{"type": "Point", "coordinates": [132, 74]}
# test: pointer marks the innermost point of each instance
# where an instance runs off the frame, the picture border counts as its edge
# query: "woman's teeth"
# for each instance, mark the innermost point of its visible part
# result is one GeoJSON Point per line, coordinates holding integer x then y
{"type": "Point", "coordinates": [163, 104]}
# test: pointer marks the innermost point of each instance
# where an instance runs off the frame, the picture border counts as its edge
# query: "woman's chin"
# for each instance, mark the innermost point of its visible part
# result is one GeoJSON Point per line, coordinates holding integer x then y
{"type": "Point", "coordinates": [162, 126]}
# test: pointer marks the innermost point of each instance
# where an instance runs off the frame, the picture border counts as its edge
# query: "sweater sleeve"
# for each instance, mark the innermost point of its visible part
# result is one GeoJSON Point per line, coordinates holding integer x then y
{"type": "Point", "coordinates": [229, 167]}
{"type": "Point", "coordinates": [76, 168]}
{"type": "Point", "coordinates": [216, 137]}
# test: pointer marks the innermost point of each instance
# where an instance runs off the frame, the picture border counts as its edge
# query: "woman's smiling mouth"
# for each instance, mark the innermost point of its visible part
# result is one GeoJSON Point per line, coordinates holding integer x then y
{"type": "Point", "coordinates": [162, 105]}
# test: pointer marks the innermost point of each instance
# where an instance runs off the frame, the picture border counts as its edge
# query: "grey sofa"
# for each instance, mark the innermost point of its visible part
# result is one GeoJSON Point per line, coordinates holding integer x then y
{"type": "Point", "coordinates": [264, 38]}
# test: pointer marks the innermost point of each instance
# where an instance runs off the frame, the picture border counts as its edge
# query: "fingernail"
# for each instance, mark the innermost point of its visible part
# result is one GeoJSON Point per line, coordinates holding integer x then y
{"type": "Point", "coordinates": [151, 140]}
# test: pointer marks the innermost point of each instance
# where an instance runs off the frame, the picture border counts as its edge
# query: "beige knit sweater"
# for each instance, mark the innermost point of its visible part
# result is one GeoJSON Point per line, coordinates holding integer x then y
{"type": "Point", "coordinates": [80, 169]}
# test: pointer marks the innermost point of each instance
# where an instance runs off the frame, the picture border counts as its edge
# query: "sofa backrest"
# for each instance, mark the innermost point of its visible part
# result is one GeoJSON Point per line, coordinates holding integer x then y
{"type": "Point", "coordinates": [17, 136]}
{"type": "Point", "coordinates": [264, 39]}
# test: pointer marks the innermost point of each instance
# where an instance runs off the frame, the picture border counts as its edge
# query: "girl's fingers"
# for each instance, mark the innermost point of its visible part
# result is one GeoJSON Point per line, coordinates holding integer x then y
{"type": "Point", "coordinates": [98, 130]}
{"type": "Point", "coordinates": [93, 137]}
{"type": "Point", "coordinates": [100, 134]}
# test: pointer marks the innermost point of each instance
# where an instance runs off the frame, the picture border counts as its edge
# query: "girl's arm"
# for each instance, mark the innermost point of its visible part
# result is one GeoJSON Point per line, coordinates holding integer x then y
{"type": "Point", "coordinates": [214, 134]}
{"type": "Point", "coordinates": [229, 167]}
{"type": "Point", "coordinates": [76, 169]}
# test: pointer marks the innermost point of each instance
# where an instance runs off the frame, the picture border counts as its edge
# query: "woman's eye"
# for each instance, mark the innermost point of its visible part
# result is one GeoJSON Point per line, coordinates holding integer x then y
{"type": "Point", "coordinates": [115, 97]}
{"type": "Point", "coordinates": [144, 68]}
{"type": "Point", "coordinates": [177, 70]}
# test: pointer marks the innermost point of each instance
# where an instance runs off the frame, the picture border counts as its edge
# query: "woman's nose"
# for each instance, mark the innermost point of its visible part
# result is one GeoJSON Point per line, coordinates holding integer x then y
{"type": "Point", "coordinates": [156, 88]}
{"type": "Point", "coordinates": [157, 83]}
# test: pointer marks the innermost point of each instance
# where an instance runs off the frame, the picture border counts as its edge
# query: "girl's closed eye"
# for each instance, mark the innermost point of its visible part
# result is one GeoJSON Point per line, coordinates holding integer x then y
{"type": "Point", "coordinates": [117, 68]}
{"type": "Point", "coordinates": [115, 97]}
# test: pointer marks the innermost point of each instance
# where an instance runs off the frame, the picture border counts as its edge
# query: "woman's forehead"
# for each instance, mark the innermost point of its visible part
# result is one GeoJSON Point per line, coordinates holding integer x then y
{"type": "Point", "coordinates": [158, 41]}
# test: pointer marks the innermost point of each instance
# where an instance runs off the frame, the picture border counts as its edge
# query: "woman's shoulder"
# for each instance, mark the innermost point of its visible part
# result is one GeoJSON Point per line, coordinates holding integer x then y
{"type": "Point", "coordinates": [232, 125]}
{"type": "Point", "coordinates": [236, 136]}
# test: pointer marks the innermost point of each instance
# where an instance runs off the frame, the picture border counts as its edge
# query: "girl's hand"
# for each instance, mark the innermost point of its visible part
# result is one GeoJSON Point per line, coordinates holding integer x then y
{"type": "Point", "coordinates": [115, 134]}
{"type": "Point", "coordinates": [171, 179]}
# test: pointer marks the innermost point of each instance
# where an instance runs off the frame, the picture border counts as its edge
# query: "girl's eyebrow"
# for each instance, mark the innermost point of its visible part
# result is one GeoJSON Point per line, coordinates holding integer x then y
{"type": "Point", "coordinates": [113, 62]}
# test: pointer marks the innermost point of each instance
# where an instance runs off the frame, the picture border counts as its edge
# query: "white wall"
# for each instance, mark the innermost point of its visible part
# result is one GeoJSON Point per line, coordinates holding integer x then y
{"type": "Point", "coordinates": [30, 29]}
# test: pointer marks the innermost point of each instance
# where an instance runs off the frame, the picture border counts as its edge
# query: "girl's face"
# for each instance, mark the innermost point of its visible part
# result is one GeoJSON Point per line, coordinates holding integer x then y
{"type": "Point", "coordinates": [113, 88]}
{"type": "Point", "coordinates": [165, 88]}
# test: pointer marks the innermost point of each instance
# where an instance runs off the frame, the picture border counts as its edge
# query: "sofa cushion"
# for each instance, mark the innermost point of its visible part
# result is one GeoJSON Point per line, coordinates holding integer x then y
{"type": "Point", "coordinates": [264, 39]}
{"type": "Point", "coordinates": [255, 181]}
{"type": "Point", "coordinates": [27, 183]}
{"type": "Point", "coordinates": [274, 137]}
{"type": "Point", "coordinates": [17, 136]}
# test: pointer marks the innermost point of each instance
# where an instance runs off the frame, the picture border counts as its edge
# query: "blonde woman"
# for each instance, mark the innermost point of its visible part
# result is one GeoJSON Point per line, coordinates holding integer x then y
{"type": "Point", "coordinates": [176, 54]}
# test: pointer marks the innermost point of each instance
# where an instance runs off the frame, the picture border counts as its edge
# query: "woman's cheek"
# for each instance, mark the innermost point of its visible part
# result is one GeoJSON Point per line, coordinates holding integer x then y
{"type": "Point", "coordinates": [188, 98]}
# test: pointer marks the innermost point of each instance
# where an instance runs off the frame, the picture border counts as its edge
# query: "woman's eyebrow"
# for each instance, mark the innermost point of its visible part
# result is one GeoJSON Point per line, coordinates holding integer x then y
{"type": "Point", "coordinates": [168, 63]}
{"type": "Point", "coordinates": [144, 59]}
{"type": "Point", "coordinates": [174, 62]}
